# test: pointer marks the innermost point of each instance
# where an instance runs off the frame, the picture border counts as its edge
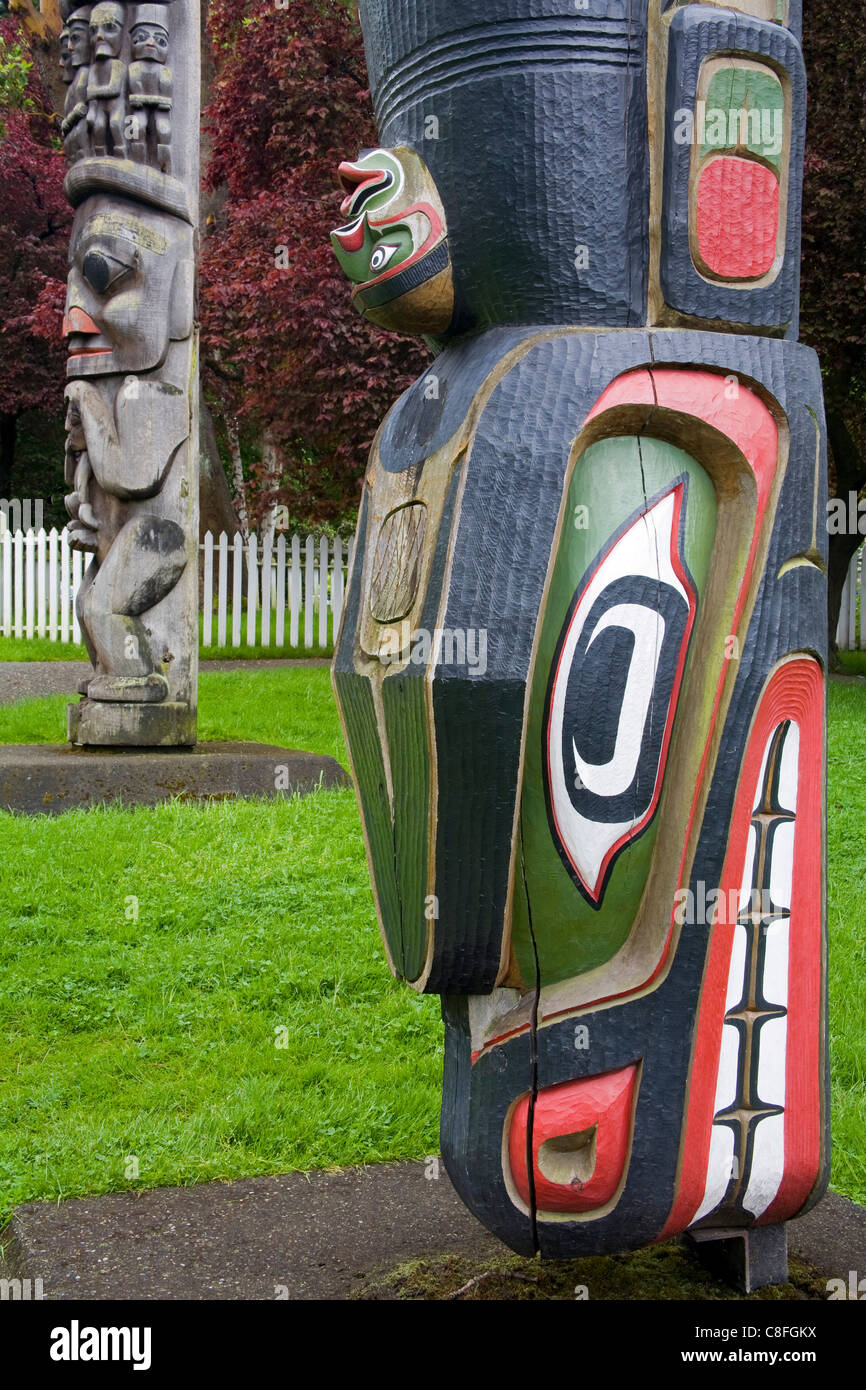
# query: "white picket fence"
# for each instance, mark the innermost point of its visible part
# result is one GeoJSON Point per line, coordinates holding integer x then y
{"type": "Point", "coordinates": [286, 592]}
{"type": "Point", "coordinates": [294, 589]}
{"type": "Point", "coordinates": [851, 632]}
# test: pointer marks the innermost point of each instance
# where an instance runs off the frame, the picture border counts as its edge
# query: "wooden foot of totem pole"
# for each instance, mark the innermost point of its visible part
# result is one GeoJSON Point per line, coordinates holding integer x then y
{"type": "Point", "coordinates": [131, 133]}
{"type": "Point", "coordinates": [748, 1258]}
{"type": "Point", "coordinates": [582, 662]}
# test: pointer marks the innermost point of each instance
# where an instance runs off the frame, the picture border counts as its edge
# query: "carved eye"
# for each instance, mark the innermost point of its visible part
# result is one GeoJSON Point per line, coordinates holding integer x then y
{"type": "Point", "coordinates": [101, 271]}
{"type": "Point", "coordinates": [382, 255]}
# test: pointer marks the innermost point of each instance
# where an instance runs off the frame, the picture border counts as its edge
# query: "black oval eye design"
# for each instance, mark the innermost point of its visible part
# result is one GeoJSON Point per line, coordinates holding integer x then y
{"type": "Point", "coordinates": [101, 271]}
{"type": "Point", "coordinates": [382, 255]}
{"type": "Point", "coordinates": [97, 271]}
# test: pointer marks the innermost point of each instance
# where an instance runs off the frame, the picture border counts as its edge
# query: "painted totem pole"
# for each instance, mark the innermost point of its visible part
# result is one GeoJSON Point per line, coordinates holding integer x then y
{"type": "Point", "coordinates": [131, 132]}
{"type": "Point", "coordinates": [581, 667]}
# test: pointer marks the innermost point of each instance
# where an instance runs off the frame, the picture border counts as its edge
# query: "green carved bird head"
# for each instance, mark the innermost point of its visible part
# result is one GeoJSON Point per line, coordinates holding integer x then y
{"type": "Point", "coordinates": [394, 246]}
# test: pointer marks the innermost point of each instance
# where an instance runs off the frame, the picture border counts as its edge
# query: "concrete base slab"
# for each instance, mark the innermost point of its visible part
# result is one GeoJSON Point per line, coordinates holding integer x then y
{"type": "Point", "coordinates": [302, 1236]}
{"type": "Point", "coordinates": [53, 778]}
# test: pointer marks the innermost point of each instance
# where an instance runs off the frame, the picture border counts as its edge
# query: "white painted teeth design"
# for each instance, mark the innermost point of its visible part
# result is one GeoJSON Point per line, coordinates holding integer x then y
{"type": "Point", "coordinates": [788, 773]}
{"type": "Point", "coordinates": [719, 1170]}
{"type": "Point", "coordinates": [769, 1038]}
{"type": "Point", "coordinates": [782, 867]}
{"type": "Point", "coordinates": [726, 1086]}
{"type": "Point", "coordinates": [737, 973]}
{"type": "Point", "coordinates": [768, 1164]}
{"type": "Point", "coordinates": [776, 962]}
{"type": "Point", "coordinates": [748, 871]}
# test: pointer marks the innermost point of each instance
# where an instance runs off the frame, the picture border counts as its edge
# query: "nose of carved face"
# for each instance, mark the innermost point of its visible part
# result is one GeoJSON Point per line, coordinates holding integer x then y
{"type": "Point", "coordinates": [83, 335]}
{"type": "Point", "coordinates": [76, 321]}
{"type": "Point", "coordinates": [79, 47]}
{"type": "Point", "coordinates": [149, 45]}
{"type": "Point", "coordinates": [106, 39]}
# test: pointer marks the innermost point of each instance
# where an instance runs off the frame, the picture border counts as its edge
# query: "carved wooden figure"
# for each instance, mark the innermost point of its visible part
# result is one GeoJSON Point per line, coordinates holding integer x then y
{"type": "Point", "coordinates": [131, 398]}
{"type": "Point", "coordinates": [150, 87]}
{"type": "Point", "coordinates": [581, 666]}
{"type": "Point", "coordinates": [76, 140]}
{"type": "Point", "coordinates": [106, 81]}
{"type": "Point", "coordinates": [66, 70]}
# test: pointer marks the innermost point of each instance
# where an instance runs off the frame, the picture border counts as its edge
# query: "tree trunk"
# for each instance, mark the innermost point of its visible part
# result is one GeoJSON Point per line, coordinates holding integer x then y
{"type": "Point", "coordinates": [44, 27]}
{"type": "Point", "coordinates": [850, 477]}
{"type": "Point", "coordinates": [8, 440]}
{"type": "Point", "coordinates": [217, 510]}
{"type": "Point", "coordinates": [271, 476]}
{"type": "Point", "coordinates": [240, 487]}
{"type": "Point", "coordinates": [841, 550]}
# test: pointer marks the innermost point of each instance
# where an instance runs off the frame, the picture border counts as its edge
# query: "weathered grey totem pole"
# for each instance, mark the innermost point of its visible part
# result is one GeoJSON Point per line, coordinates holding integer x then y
{"type": "Point", "coordinates": [131, 132]}
{"type": "Point", "coordinates": [582, 661]}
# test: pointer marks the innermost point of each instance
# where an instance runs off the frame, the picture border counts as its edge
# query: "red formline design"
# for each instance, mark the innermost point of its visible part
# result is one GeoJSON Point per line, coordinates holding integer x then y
{"type": "Point", "coordinates": [746, 421]}
{"type": "Point", "coordinates": [794, 692]}
{"type": "Point", "coordinates": [599, 1107]}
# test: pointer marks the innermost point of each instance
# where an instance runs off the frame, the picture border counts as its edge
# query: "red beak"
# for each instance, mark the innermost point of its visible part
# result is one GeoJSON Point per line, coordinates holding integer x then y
{"type": "Point", "coordinates": [354, 180]}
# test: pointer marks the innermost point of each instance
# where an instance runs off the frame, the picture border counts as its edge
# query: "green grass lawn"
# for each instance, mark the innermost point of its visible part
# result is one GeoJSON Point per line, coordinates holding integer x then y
{"type": "Point", "coordinates": [152, 961]}
{"type": "Point", "coordinates": [847, 912]}
{"type": "Point", "coordinates": [291, 706]}
{"type": "Point", "coordinates": [852, 663]}
{"type": "Point", "coordinates": [156, 1038]}
{"type": "Point", "coordinates": [40, 649]}
{"type": "Point", "coordinates": [43, 649]}
{"type": "Point", "coordinates": [244, 1022]}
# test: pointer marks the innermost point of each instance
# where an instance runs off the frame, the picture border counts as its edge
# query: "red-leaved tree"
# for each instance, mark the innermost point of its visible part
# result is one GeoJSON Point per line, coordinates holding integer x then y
{"type": "Point", "coordinates": [283, 349]}
{"type": "Point", "coordinates": [34, 232]}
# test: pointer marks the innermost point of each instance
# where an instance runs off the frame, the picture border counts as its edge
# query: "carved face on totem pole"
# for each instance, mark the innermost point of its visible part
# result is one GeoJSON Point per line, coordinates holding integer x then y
{"type": "Point", "coordinates": [129, 285]}
{"type": "Point", "coordinates": [581, 664]}
{"type": "Point", "coordinates": [79, 38]}
{"type": "Point", "coordinates": [106, 30]}
{"type": "Point", "coordinates": [65, 56]}
{"type": "Point", "coordinates": [394, 248]}
{"type": "Point", "coordinates": [149, 43]}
